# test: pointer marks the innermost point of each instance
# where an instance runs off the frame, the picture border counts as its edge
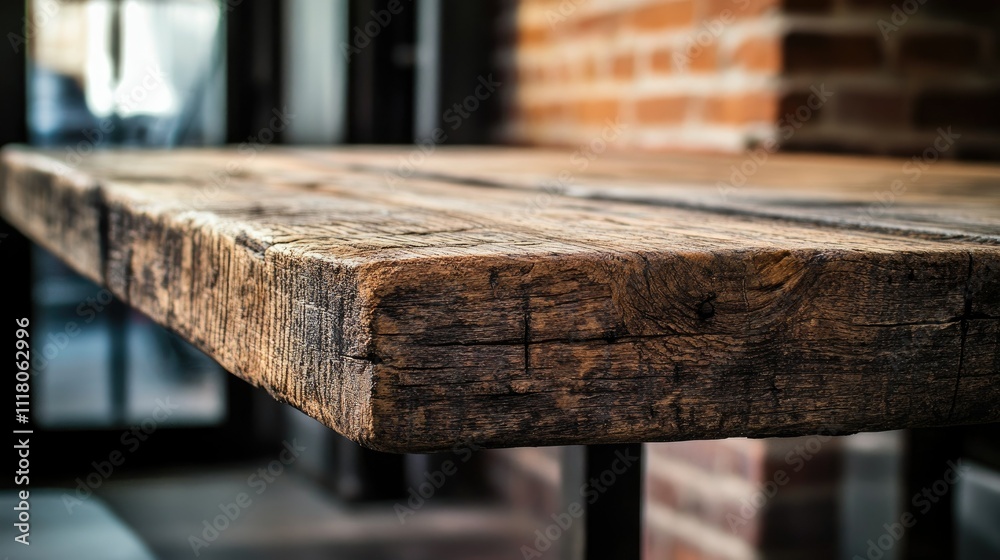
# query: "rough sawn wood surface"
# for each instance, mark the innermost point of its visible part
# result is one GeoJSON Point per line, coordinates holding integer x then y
{"type": "Point", "coordinates": [479, 297]}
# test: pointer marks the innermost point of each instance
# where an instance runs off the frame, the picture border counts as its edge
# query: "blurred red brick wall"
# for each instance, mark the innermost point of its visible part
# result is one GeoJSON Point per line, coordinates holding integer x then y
{"type": "Point", "coordinates": [724, 75]}
{"type": "Point", "coordinates": [855, 76]}
{"type": "Point", "coordinates": [742, 499]}
{"type": "Point", "coordinates": [734, 499]}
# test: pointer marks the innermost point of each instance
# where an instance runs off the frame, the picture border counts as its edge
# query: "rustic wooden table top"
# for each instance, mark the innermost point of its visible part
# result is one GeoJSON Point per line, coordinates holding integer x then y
{"type": "Point", "coordinates": [515, 297]}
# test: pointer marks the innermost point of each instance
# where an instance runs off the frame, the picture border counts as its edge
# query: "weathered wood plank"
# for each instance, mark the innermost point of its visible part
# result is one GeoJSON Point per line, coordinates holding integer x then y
{"type": "Point", "coordinates": [911, 197]}
{"type": "Point", "coordinates": [443, 310]}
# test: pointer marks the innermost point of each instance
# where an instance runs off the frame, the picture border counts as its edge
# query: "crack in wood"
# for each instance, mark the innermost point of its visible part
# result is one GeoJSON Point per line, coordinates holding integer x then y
{"type": "Point", "coordinates": [966, 313]}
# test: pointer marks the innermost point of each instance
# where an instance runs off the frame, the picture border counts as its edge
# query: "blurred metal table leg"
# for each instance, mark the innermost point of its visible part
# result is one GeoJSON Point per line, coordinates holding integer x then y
{"type": "Point", "coordinates": [607, 481]}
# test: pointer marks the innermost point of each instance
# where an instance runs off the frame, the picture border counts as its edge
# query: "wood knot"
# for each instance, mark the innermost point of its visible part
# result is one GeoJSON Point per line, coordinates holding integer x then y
{"type": "Point", "coordinates": [612, 335]}
{"type": "Point", "coordinates": [706, 309]}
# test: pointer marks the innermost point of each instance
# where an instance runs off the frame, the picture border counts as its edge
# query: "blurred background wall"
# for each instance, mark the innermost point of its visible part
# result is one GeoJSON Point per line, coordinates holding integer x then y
{"type": "Point", "coordinates": [725, 75]}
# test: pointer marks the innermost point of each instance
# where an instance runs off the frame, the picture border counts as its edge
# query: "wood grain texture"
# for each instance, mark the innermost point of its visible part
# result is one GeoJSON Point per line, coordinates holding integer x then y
{"type": "Point", "coordinates": [410, 311]}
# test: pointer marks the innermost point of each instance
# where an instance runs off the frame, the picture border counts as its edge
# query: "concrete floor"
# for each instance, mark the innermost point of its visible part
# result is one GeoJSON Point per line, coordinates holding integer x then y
{"type": "Point", "coordinates": [294, 519]}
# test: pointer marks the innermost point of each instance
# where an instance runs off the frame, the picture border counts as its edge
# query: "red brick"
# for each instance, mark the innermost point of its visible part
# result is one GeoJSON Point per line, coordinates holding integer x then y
{"type": "Point", "coordinates": [524, 75]}
{"type": "Point", "coordinates": [662, 61]}
{"type": "Point", "coordinates": [737, 458]}
{"type": "Point", "coordinates": [759, 53]}
{"type": "Point", "coordinates": [698, 57]}
{"type": "Point", "coordinates": [818, 462]}
{"type": "Point", "coordinates": [603, 24]}
{"type": "Point", "coordinates": [708, 508]}
{"type": "Point", "coordinates": [557, 73]}
{"type": "Point", "coordinates": [510, 475]}
{"type": "Point", "coordinates": [820, 52]}
{"type": "Point", "coordinates": [662, 492]}
{"type": "Point", "coordinates": [590, 69]}
{"type": "Point", "coordinates": [801, 54]}
{"type": "Point", "coordinates": [663, 15]}
{"type": "Point", "coordinates": [661, 110]}
{"type": "Point", "coordinates": [596, 111]}
{"type": "Point", "coordinates": [656, 545]}
{"type": "Point", "coordinates": [532, 36]}
{"type": "Point", "coordinates": [742, 109]}
{"type": "Point", "coordinates": [946, 51]}
{"type": "Point", "coordinates": [623, 66]}
{"type": "Point", "coordinates": [547, 112]}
